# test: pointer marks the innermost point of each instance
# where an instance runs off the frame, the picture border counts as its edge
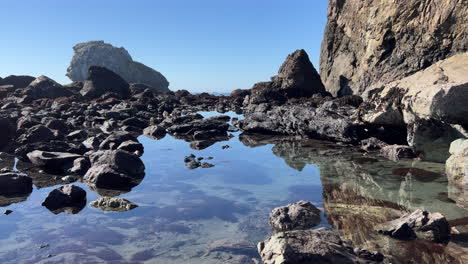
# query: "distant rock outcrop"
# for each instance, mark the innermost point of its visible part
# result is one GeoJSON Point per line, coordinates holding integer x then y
{"type": "Point", "coordinates": [118, 60]}
{"type": "Point", "coordinates": [296, 78]}
{"type": "Point", "coordinates": [370, 41]}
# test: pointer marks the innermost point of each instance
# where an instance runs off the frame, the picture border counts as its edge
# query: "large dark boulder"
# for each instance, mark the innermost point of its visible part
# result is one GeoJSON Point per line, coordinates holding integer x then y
{"type": "Point", "coordinates": [53, 162]}
{"type": "Point", "coordinates": [69, 198]}
{"type": "Point", "coordinates": [14, 184]}
{"type": "Point", "coordinates": [7, 131]}
{"type": "Point", "coordinates": [44, 87]}
{"type": "Point", "coordinates": [296, 78]}
{"type": "Point", "coordinates": [115, 139]}
{"type": "Point", "coordinates": [38, 133]}
{"type": "Point", "coordinates": [101, 81]}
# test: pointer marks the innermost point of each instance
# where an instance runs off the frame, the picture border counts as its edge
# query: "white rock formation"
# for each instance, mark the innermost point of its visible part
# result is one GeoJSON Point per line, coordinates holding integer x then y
{"type": "Point", "coordinates": [118, 60]}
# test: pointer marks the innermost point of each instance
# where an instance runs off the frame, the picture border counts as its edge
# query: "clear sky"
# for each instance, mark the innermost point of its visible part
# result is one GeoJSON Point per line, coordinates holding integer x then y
{"type": "Point", "coordinates": [199, 45]}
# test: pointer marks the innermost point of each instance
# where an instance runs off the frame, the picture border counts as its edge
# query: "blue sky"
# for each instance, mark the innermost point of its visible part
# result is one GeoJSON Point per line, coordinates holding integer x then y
{"type": "Point", "coordinates": [199, 45]}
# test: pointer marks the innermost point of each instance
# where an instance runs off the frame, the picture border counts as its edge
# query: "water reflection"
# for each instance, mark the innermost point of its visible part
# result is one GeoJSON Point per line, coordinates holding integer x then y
{"type": "Point", "coordinates": [184, 216]}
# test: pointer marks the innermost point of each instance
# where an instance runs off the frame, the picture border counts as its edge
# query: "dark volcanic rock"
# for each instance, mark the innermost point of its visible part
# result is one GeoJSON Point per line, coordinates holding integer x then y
{"type": "Point", "coordinates": [38, 133]}
{"type": "Point", "coordinates": [115, 169]}
{"type": "Point", "coordinates": [7, 131]}
{"type": "Point", "coordinates": [295, 216]}
{"type": "Point", "coordinates": [13, 184]}
{"type": "Point", "coordinates": [380, 41]}
{"type": "Point", "coordinates": [154, 132]}
{"type": "Point", "coordinates": [431, 226]}
{"type": "Point", "coordinates": [53, 162]}
{"type": "Point", "coordinates": [80, 166]}
{"type": "Point", "coordinates": [69, 198]}
{"type": "Point", "coordinates": [101, 80]}
{"type": "Point", "coordinates": [296, 78]}
{"type": "Point", "coordinates": [114, 140]}
{"type": "Point", "coordinates": [44, 87]}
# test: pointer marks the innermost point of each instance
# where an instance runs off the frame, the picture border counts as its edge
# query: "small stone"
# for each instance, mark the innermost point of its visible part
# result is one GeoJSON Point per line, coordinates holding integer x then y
{"type": "Point", "coordinates": [206, 165]}
{"type": "Point", "coordinates": [7, 212]}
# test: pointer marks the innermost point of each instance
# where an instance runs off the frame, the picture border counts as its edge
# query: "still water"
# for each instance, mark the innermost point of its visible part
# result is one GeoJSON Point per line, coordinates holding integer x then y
{"type": "Point", "coordinates": [218, 214]}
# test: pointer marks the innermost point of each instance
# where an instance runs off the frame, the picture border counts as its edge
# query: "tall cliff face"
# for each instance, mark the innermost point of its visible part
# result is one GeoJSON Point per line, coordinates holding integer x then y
{"type": "Point", "coordinates": [378, 41]}
{"type": "Point", "coordinates": [118, 60]}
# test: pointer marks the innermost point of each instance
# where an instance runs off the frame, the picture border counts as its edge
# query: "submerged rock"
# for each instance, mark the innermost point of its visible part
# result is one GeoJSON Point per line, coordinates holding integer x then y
{"type": "Point", "coordinates": [69, 198]}
{"type": "Point", "coordinates": [310, 246]}
{"type": "Point", "coordinates": [295, 216]}
{"type": "Point", "coordinates": [118, 60]}
{"type": "Point", "coordinates": [113, 204]}
{"type": "Point", "coordinates": [431, 226]}
{"type": "Point", "coordinates": [397, 152]}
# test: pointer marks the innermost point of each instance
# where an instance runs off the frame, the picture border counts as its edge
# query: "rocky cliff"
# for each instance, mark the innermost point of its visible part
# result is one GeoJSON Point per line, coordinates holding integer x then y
{"type": "Point", "coordinates": [370, 41]}
{"type": "Point", "coordinates": [118, 60]}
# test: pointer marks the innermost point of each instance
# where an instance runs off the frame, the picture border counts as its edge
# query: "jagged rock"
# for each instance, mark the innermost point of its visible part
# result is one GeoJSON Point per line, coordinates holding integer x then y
{"type": "Point", "coordinates": [14, 184]}
{"type": "Point", "coordinates": [295, 216]}
{"type": "Point", "coordinates": [372, 143]}
{"type": "Point", "coordinates": [44, 87]}
{"type": "Point", "coordinates": [115, 169]}
{"type": "Point", "coordinates": [303, 119]}
{"type": "Point", "coordinates": [101, 80]}
{"type": "Point", "coordinates": [456, 166]}
{"type": "Point", "coordinates": [431, 226]}
{"type": "Point", "coordinates": [115, 139]}
{"type": "Point", "coordinates": [296, 78]}
{"type": "Point", "coordinates": [68, 198]}
{"type": "Point", "coordinates": [38, 133]}
{"type": "Point", "coordinates": [53, 162]}
{"type": "Point", "coordinates": [113, 204]}
{"type": "Point", "coordinates": [154, 132]}
{"type": "Point", "coordinates": [372, 41]}
{"type": "Point", "coordinates": [80, 166]}
{"type": "Point", "coordinates": [309, 246]}
{"type": "Point", "coordinates": [18, 81]}
{"type": "Point", "coordinates": [396, 152]}
{"type": "Point", "coordinates": [118, 60]}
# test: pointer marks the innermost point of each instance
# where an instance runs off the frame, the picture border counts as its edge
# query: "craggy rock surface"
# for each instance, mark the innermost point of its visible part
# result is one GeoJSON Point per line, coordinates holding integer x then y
{"type": "Point", "coordinates": [295, 216]}
{"type": "Point", "coordinates": [296, 78]}
{"type": "Point", "coordinates": [369, 41]}
{"type": "Point", "coordinates": [310, 246]}
{"type": "Point", "coordinates": [118, 60]}
{"type": "Point", "coordinates": [422, 224]}
{"type": "Point", "coordinates": [457, 164]}
{"type": "Point", "coordinates": [113, 204]}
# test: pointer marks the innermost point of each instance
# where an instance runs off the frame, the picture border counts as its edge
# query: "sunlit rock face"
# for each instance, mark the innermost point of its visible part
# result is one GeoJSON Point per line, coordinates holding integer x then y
{"type": "Point", "coordinates": [118, 60]}
{"type": "Point", "coordinates": [379, 41]}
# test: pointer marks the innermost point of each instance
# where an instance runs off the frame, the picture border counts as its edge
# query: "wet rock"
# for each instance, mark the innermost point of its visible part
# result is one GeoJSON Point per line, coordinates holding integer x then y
{"type": "Point", "coordinates": [202, 129]}
{"type": "Point", "coordinates": [113, 204]}
{"type": "Point", "coordinates": [69, 198]}
{"type": "Point", "coordinates": [7, 212]}
{"type": "Point", "coordinates": [77, 135]}
{"type": "Point", "coordinates": [115, 169]}
{"type": "Point", "coordinates": [456, 169]}
{"type": "Point", "coordinates": [50, 146]}
{"type": "Point", "coordinates": [44, 87]}
{"type": "Point", "coordinates": [101, 80]}
{"type": "Point", "coordinates": [397, 152]}
{"type": "Point", "coordinates": [132, 147]}
{"type": "Point", "coordinates": [115, 59]}
{"type": "Point", "coordinates": [295, 216]}
{"type": "Point", "coordinates": [114, 140]}
{"type": "Point", "coordinates": [38, 133]}
{"type": "Point", "coordinates": [53, 162]}
{"type": "Point", "coordinates": [14, 184]}
{"type": "Point", "coordinates": [307, 246]}
{"type": "Point", "coordinates": [7, 133]}
{"type": "Point", "coordinates": [154, 132]}
{"type": "Point", "coordinates": [80, 166]}
{"type": "Point", "coordinates": [206, 165]}
{"type": "Point", "coordinates": [372, 144]}
{"type": "Point", "coordinates": [234, 247]}
{"type": "Point", "coordinates": [422, 224]}
{"type": "Point", "coordinates": [69, 179]}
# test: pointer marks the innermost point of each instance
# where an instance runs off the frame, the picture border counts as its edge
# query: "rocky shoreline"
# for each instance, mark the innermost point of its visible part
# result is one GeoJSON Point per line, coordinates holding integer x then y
{"type": "Point", "coordinates": [87, 131]}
